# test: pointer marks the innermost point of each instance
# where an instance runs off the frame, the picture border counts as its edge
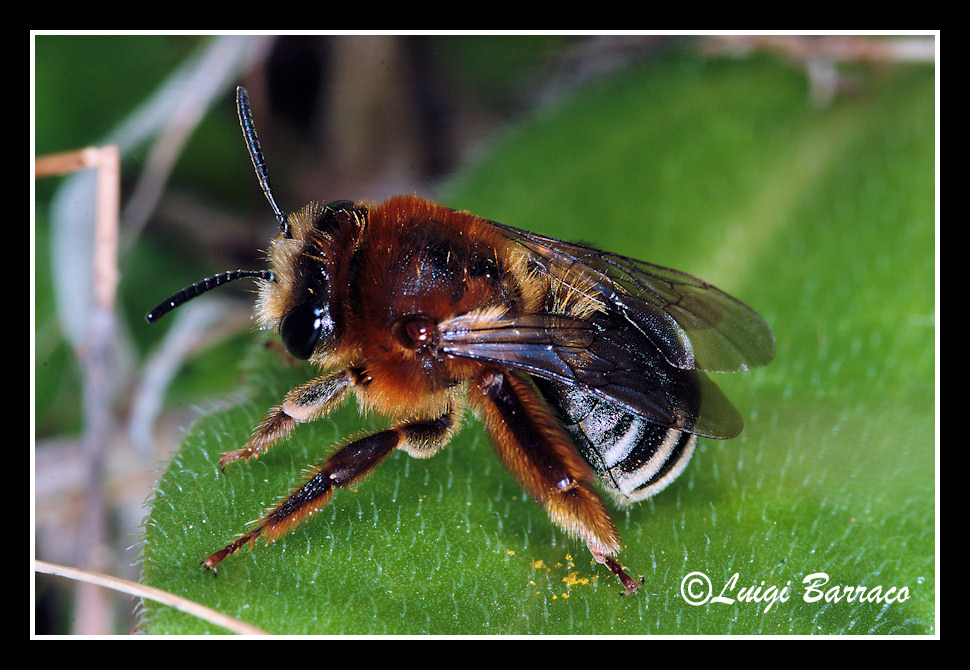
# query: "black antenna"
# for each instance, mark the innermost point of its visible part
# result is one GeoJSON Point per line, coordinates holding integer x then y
{"type": "Point", "coordinates": [252, 143]}
{"type": "Point", "coordinates": [201, 287]}
{"type": "Point", "coordinates": [198, 288]}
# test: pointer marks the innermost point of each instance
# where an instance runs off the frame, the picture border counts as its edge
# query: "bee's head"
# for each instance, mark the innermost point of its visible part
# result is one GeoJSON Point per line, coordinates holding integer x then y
{"type": "Point", "coordinates": [300, 304]}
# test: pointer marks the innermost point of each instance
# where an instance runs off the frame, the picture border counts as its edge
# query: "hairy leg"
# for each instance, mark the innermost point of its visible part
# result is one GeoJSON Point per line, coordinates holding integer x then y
{"type": "Point", "coordinates": [345, 467]}
{"type": "Point", "coordinates": [538, 451]}
{"type": "Point", "coordinates": [306, 402]}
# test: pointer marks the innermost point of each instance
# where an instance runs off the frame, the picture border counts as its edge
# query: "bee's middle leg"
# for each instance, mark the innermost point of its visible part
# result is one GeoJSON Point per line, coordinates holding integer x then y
{"type": "Point", "coordinates": [344, 468]}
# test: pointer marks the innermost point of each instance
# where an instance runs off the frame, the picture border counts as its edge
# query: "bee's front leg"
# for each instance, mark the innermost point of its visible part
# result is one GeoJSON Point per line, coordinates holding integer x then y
{"type": "Point", "coordinates": [306, 402]}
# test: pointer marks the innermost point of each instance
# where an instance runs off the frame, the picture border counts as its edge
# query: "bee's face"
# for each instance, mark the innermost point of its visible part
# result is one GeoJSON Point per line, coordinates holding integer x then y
{"type": "Point", "coordinates": [300, 303]}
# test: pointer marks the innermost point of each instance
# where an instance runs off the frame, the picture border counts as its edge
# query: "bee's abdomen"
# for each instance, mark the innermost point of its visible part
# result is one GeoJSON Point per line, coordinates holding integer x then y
{"type": "Point", "coordinates": [633, 457]}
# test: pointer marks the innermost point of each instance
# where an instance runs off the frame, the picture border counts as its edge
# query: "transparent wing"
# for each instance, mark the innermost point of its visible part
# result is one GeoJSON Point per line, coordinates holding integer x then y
{"type": "Point", "coordinates": [645, 348]}
{"type": "Point", "coordinates": [605, 358]}
{"type": "Point", "coordinates": [693, 324]}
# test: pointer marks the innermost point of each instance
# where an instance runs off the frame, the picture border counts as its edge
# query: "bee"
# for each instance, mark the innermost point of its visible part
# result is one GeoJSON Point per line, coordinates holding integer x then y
{"type": "Point", "coordinates": [585, 366]}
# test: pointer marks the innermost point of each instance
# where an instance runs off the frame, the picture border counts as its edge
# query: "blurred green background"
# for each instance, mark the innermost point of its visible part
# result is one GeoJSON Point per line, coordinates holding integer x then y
{"type": "Point", "coordinates": [807, 191]}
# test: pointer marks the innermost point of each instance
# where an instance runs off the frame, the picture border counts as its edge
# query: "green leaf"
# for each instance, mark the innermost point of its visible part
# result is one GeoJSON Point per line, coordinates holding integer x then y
{"type": "Point", "coordinates": [821, 219]}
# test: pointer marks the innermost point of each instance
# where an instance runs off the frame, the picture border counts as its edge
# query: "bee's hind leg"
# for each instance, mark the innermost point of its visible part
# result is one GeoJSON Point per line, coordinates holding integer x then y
{"type": "Point", "coordinates": [536, 448]}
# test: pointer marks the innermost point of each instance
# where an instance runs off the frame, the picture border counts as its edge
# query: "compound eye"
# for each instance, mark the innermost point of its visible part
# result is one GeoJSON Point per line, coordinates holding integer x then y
{"type": "Point", "coordinates": [303, 327]}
